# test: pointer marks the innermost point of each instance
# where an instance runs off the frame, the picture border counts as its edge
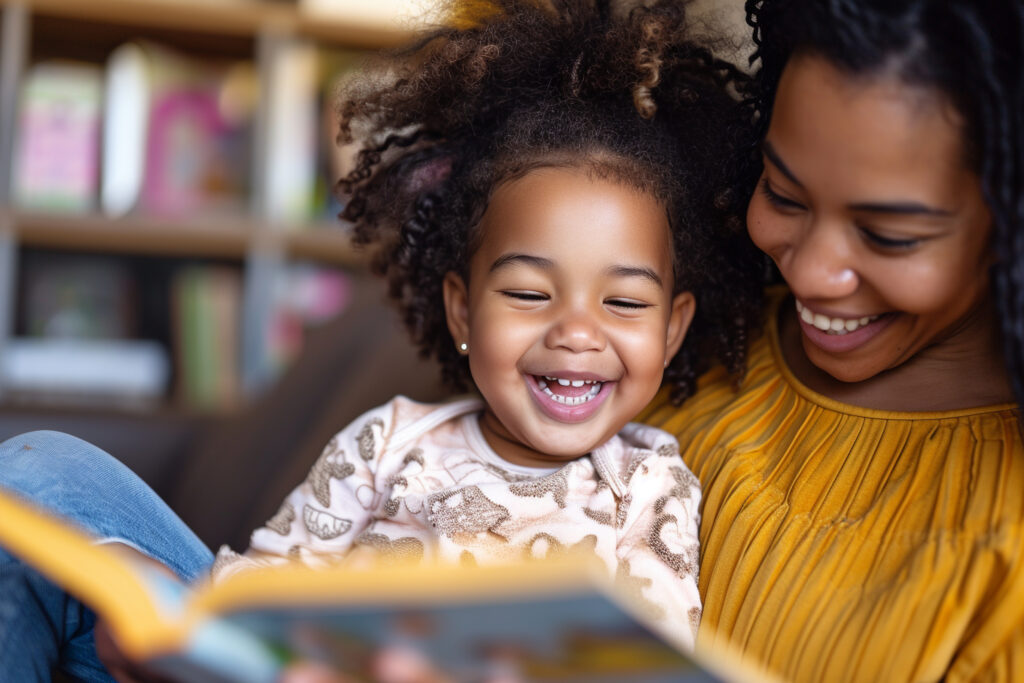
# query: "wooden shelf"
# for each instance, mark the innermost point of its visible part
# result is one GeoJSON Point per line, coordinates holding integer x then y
{"type": "Point", "coordinates": [136, 235]}
{"type": "Point", "coordinates": [327, 243]}
{"type": "Point", "coordinates": [207, 237]}
{"type": "Point", "coordinates": [224, 17]}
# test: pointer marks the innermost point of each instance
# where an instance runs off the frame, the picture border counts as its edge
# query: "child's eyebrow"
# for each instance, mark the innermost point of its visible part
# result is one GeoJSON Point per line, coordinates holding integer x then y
{"type": "Point", "coordinates": [526, 259]}
{"type": "Point", "coordinates": [635, 271]}
{"type": "Point", "coordinates": [546, 264]}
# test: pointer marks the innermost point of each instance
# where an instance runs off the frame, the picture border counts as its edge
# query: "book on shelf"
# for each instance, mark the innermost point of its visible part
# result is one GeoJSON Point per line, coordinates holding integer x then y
{"type": "Point", "coordinates": [395, 15]}
{"type": "Point", "coordinates": [530, 622]}
{"type": "Point", "coordinates": [76, 296]}
{"type": "Point", "coordinates": [57, 157]}
{"type": "Point", "coordinates": [304, 161]}
{"type": "Point", "coordinates": [304, 296]}
{"type": "Point", "coordinates": [206, 303]}
{"type": "Point", "coordinates": [77, 334]}
{"type": "Point", "coordinates": [130, 372]}
{"type": "Point", "coordinates": [176, 132]}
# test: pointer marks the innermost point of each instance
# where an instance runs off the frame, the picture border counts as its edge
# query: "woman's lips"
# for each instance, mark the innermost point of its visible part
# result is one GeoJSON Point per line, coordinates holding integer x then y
{"type": "Point", "coordinates": [840, 335]}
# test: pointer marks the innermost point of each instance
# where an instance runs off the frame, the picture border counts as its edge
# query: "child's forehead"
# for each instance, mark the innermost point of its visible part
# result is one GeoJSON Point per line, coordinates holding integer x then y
{"type": "Point", "coordinates": [569, 210]}
{"type": "Point", "coordinates": [600, 169]}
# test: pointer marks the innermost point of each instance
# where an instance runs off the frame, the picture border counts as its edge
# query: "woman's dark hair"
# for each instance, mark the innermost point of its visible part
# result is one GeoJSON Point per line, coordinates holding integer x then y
{"type": "Point", "coordinates": [515, 85]}
{"type": "Point", "coordinates": [970, 50]}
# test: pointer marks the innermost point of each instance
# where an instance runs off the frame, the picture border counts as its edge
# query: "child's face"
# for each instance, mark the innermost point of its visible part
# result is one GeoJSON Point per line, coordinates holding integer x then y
{"type": "Point", "coordinates": [874, 219]}
{"type": "Point", "coordinates": [572, 281]}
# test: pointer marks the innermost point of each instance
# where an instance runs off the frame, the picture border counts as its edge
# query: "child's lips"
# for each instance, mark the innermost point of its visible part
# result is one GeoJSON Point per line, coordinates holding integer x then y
{"type": "Point", "coordinates": [568, 399]}
{"type": "Point", "coordinates": [567, 391]}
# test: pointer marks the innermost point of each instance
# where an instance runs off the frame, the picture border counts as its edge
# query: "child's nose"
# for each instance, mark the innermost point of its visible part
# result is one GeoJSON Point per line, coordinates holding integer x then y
{"type": "Point", "coordinates": [576, 331]}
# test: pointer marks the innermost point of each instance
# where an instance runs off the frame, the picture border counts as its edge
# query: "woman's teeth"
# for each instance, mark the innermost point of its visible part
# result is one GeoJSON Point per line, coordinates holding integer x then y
{"type": "Point", "coordinates": [832, 325]}
{"type": "Point", "coordinates": [595, 389]}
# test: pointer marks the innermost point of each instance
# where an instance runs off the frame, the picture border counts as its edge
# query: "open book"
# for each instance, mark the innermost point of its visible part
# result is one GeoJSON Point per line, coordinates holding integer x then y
{"type": "Point", "coordinates": [531, 622]}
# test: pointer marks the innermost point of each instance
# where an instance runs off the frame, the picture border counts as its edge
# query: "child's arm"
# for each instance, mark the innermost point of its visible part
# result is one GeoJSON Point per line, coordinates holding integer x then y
{"type": "Point", "coordinates": [322, 517]}
{"type": "Point", "coordinates": [659, 548]}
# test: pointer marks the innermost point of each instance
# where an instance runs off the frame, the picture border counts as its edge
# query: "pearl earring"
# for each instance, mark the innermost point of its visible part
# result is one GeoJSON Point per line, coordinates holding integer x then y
{"type": "Point", "coordinates": [463, 347]}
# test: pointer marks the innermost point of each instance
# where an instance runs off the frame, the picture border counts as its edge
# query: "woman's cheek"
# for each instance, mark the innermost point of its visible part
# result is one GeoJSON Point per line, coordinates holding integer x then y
{"type": "Point", "coordinates": [763, 230]}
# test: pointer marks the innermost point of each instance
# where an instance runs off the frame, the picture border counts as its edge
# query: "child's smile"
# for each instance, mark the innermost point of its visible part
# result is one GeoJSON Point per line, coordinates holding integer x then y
{"type": "Point", "coordinates": [569, 397]}
{"type": "Point", "coordinates": [569, 315]}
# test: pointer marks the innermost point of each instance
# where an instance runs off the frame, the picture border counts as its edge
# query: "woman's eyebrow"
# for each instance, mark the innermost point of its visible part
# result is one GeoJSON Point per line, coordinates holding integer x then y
{"type": "Point", "coordinates": [911, 208]}
{"type": "Point", "coordinates": [908, 208]}
{"type": "Point", "coordinates": [773, 156]}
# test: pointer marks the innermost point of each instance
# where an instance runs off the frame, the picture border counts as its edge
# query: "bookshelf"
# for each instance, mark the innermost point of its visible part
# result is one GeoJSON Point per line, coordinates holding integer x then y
{"type": "Point", "coordinates": [250, 233]}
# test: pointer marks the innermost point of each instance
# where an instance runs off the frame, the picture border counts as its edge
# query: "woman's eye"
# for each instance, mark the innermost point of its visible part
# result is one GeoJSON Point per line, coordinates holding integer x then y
{"type": "Point", "coordinates": [627, 303]}
{"type": "Point", "coordinates": [777, 199]}
{"type": "Point", "coordinates": [889, 243]}
{"type": "Point", "coordinates": [524, 295]}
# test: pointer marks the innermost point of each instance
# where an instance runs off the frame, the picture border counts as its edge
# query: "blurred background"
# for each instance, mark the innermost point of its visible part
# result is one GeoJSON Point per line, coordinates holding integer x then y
{"type": "Point", "coordinates": [175, 285]}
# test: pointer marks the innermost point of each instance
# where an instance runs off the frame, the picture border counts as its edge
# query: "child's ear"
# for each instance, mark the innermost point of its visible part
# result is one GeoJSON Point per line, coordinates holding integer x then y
{"type": "Point", "coordinates": [456, 307]}
{"type": "Point", "coordinates": [684, 305]}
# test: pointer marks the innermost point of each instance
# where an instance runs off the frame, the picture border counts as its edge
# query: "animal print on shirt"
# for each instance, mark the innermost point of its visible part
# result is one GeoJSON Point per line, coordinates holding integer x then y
{"type": "Point", "coordinates": [684, 561]}
{"type": "Point", "coordinates": [686, 483]}
{"type": "Point", "coordinates": [556, 484]}
{"type": "Point", "coordinates": [464, 511]}
{"type": "Point", "coordinates": [631, 467]}
{"type": "Point", "coordinates": [326, 468]}
{"type": "Point", "coordinates": [505, 474]}
{"type": "Point", "coordinates": [365, 439]}
{"type": "Point", "coordinates": [323, 524]}
{"type": "Point", "coordinates": [623, 511]}
{"type": "Point", "coordinates": [415, 455]}
{"type": "Point", "coordinates": [633, 588]}
{"type": "Point", "coordinates": [599, 516]}
{"type": "Point", "coordinates": [405, 549]}
{"type": "Point", "coordinates": [281, 522]}
{"type": "Point", "coordinates": [544, 546]}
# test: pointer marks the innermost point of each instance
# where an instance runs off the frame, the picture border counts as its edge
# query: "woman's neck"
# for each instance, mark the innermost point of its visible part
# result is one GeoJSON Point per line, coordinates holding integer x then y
{"type": "Point", "coordinates": [964, 371]}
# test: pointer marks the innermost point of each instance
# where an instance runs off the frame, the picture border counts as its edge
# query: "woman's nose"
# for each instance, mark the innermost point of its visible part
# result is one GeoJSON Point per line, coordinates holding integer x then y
{"type": "Point", "coordinates": [820, 265]}
{"type": "Point", "coordinates": [576, 331]}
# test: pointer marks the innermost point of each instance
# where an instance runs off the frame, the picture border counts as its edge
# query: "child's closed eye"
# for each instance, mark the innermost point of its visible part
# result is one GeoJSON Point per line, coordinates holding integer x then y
{"type": "Point", "coordinates": [630, 304]}
{"type": "Point", "coordinates": [524, 295]}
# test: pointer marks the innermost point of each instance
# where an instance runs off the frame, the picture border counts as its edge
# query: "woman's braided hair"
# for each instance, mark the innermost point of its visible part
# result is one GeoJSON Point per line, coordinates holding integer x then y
{"type": "Point", "coordinates": [973, 52]}
{"type": "Point", "coordinates": [514, 85]}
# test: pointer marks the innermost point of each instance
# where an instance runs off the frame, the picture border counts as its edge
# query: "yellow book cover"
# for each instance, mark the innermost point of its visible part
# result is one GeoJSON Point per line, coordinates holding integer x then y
{"type": "Point", "coordinates": [532, 622]}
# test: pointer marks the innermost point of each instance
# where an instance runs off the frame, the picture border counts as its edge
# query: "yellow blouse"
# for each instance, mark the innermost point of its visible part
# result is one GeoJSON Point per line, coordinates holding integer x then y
{"type": "Point", "coordinates": [846, 544]}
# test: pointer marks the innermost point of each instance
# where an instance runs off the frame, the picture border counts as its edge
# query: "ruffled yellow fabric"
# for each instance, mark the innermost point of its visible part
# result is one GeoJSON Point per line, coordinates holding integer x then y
{"type": "Point", "coordinates": [845, 544]}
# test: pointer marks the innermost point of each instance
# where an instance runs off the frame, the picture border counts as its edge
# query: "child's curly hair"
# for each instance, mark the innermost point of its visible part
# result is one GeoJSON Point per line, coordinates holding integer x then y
{"type": "Point", "coordinates": [515, 85]}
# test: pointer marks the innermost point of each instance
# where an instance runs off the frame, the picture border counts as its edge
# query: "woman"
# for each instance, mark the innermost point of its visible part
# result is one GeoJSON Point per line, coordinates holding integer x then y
{"type": "Point", "coordinates": [864, 488]}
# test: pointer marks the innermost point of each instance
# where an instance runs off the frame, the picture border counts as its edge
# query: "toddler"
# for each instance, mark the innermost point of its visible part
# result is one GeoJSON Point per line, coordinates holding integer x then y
{"type": "Point", "coordinates": [557, 175]}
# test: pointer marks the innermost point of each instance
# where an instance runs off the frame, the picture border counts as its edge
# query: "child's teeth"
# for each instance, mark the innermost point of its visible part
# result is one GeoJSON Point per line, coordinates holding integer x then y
{"type": "Point", "coordinates": [595, 389]}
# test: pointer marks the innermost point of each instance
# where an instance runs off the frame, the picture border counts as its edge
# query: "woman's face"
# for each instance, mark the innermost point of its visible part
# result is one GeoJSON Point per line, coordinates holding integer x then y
{"type": "Point", "coordinates": [868, 208]}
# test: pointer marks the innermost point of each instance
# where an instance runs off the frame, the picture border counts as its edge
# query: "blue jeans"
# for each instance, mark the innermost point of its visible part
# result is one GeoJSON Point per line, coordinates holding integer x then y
{"type": "Point", "coordinates": [41, 627]}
